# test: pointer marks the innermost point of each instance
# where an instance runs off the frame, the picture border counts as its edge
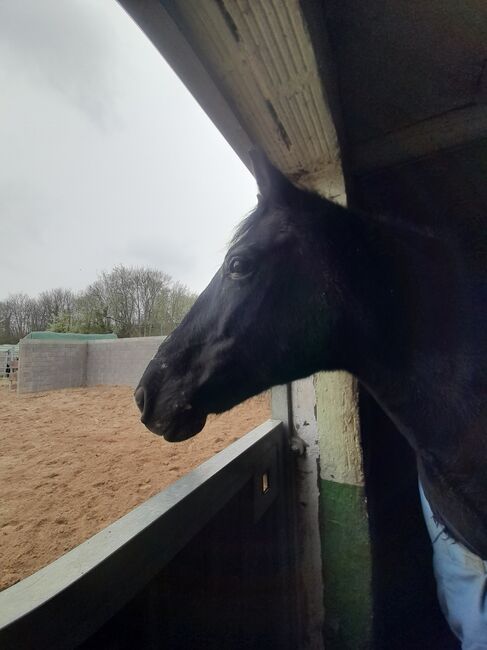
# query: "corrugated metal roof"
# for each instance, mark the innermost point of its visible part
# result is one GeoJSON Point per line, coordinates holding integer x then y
{"type": "Point", "coordinates": [261, 57]}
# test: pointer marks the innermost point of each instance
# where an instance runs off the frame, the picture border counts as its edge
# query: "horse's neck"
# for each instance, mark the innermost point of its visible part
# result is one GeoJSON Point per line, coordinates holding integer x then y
{"type": "Point", "coordinates": [418, 343]}
{"type": "Point", "coordinates": [417, 358]}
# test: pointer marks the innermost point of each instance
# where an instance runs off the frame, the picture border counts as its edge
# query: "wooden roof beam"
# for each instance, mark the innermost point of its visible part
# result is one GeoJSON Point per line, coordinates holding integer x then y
{"type": "Point", "coordinates": [446, 131]}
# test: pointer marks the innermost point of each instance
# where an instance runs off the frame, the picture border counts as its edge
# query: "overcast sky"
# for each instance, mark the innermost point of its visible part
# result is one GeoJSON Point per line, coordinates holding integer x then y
{"type": "Point", "coordinates": [105, 157]}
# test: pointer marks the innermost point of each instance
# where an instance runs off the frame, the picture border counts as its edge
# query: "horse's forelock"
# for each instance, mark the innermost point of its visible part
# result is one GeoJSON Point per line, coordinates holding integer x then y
{"type": "Point", "coordinates": [247, 224]}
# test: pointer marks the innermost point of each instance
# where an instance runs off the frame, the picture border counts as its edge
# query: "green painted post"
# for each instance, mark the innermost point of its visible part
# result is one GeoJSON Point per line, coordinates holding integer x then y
{"type": "Point", "coordinates": [345, 539]}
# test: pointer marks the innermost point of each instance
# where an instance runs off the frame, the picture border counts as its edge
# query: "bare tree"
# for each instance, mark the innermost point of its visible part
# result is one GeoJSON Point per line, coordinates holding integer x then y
{"type": "Point", "coordinates": [20, 309]}
{"type": "Point", "coordinates": [172, 308]}
{"type": "Point", "coordinates": [130, 301]}
{"type": "Point", "coordinates": [119, 290]}
{"type": "Point", "coordinates": [91, 310]}
{"type": "Point", "coordinates": [150, 286]}
{"type": "Point", "coordinates": [55, 302]}
{"type": "Point", "coordinates": [5, 324]}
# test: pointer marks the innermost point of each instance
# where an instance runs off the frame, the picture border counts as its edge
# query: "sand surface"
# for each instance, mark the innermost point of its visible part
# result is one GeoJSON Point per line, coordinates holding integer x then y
{"type": "Point", "coordinates": [72, 461]}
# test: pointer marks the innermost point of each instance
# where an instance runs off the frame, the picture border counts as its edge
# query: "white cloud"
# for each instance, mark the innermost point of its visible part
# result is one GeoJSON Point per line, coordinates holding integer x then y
{"type": "Point", "coordinates": [105, 158]}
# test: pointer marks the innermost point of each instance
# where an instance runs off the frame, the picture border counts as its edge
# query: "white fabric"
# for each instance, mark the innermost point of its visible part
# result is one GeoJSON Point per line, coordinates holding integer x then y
{"type": "Point", "coordinates": [461, 579]}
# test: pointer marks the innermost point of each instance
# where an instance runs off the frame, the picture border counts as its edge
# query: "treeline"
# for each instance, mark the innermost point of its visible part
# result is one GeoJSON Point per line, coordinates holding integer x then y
{"type": "Point", "coordinates": [128, 301]}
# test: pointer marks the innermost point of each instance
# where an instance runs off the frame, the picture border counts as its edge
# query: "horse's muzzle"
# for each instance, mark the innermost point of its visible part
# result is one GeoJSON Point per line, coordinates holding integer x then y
{"type": "Point", "coordinates": [175, 423]}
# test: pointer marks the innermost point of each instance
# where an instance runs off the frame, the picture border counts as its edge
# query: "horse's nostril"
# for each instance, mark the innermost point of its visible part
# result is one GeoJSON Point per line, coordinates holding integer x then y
{"type": "Point", "coordinates": [139, 397]}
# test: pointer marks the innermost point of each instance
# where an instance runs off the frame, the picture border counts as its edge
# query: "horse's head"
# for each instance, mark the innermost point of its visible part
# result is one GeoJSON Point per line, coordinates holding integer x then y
{"type": "Point", "coordinates": [263, 319]}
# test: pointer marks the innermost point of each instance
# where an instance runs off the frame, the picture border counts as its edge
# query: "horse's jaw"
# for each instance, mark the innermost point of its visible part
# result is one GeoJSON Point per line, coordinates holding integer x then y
{"type": "Point", "coordinates": [178, 427]}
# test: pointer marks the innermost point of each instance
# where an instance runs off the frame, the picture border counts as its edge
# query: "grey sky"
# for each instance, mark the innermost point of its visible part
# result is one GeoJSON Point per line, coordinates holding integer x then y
{"type": "Point", "coordinates": [105, 157]}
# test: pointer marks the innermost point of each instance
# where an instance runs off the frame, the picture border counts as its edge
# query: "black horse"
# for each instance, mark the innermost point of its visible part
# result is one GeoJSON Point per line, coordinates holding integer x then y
{"type": "Point", "coordinates": [307, 286]}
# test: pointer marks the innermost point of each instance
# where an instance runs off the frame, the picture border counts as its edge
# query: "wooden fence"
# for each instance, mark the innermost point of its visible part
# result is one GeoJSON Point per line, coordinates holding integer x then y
{"type": "Point", "coordinates": [206, 563]}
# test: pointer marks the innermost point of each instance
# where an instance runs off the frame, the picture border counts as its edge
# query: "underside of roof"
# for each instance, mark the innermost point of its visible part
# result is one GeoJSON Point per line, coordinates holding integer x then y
{"type": "Point", "coordinates": [389, 90]}
{"type": "Point", "coordinates": [261, 57]}
{"type": "Point", "coordinates": [260, 67]}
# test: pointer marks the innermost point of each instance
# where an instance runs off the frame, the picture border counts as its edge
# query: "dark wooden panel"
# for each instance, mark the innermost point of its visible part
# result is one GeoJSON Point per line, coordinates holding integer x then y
{"type": "Point", "coordinates": [402, 62]}
{"type": "Point", "coordinates": [448, 188]}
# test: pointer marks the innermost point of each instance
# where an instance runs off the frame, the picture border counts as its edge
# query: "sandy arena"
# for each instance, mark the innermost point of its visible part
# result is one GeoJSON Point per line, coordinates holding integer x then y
{"type": "Point", "coordinates": [72, 461]}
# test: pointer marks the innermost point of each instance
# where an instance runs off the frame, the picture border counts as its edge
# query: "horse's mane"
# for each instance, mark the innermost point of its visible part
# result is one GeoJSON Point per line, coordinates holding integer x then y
{"type": "Point", "coordinates": [412, 234]}
{"type": "Point", "coordinates": [247, 223]}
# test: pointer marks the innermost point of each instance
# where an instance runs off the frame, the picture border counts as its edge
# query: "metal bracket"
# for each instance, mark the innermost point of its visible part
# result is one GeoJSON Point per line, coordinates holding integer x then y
{"type": "Point", "coordinates": [298, 446]}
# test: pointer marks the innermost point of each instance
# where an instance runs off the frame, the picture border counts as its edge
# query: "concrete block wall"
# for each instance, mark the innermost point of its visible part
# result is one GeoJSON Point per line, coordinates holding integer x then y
{"type": "Point", "coordinates": [120, 361]}
{"type": "Point", "coordinates": [48, 365]}
{"type": "Point", "coordinates": [44, 365]}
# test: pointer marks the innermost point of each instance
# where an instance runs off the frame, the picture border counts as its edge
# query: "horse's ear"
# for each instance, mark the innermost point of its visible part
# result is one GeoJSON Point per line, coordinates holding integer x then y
{"type": "Point", "coordinates": [272, 184]}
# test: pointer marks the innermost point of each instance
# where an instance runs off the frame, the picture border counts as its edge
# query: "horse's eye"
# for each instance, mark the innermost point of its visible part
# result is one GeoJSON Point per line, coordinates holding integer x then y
{"type": "Point", "coordinates": [239, 267]}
